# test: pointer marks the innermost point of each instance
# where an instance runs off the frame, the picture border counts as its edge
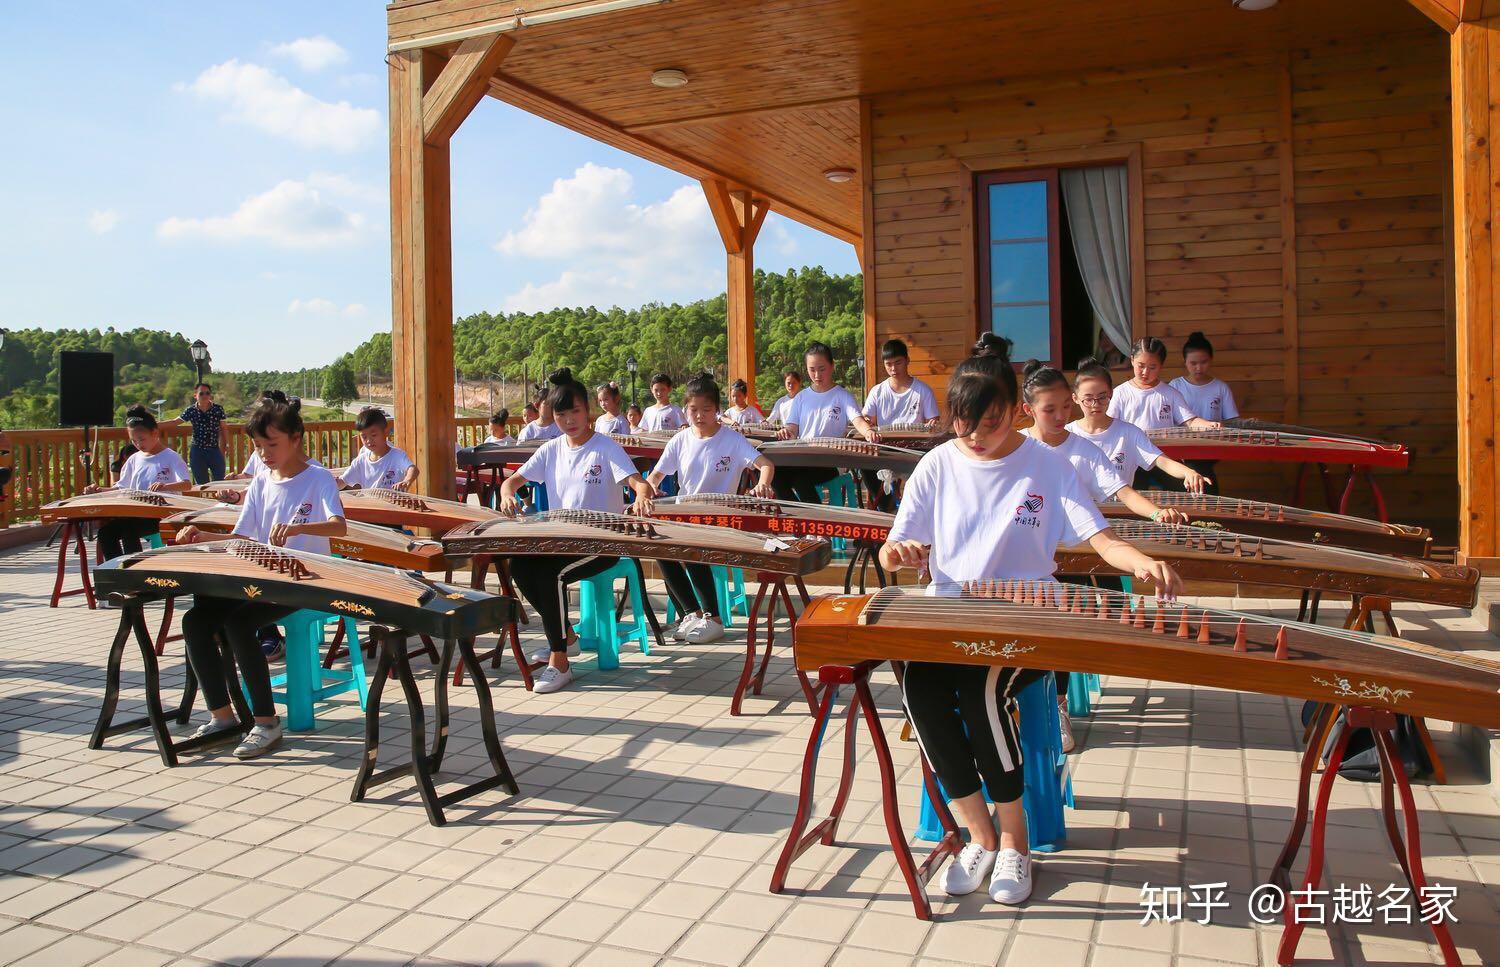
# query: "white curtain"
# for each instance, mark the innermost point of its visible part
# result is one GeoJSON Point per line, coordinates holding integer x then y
{"type": "Point", "coordinates": [1099, 219]}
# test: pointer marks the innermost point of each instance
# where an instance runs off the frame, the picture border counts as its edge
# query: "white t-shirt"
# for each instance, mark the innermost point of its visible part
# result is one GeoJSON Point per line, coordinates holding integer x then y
{"type": "Point", "coordinates": [995, 518]}
{"type": "Point", "coordinates": [745, 415]}
{"type": "Point", "coordinates": [711, 466]}
{"type": "Point", "coordinates": [1095, 471]}
{"type": "Point", "coordinates": [499, 441]}
{"type": "Point", "coordinates": [311, 497]}
{"type": "Point", "coordinates": [779, 410]}
{"type": "Point", "coordinates": [612, 424]}
{"type": "Point", "coordinates": [822, 414]}
{"type": "Point", "coordinates": [1213, 400]}
{"type": "Point", "coordinates": [254, 467]}
{"type": "Point", "coordinates": [1156, 408]}
{"type": "Point", "coordinates": [886, 406]}
{"type": "Point", "coordinates": [581, 478]}
{"type": "Point", "coordinates": [659, 416]}
{"type": "Point", "coordinates": [1125, 444]}
{"type": "Point", "coordinates": [141, 469]}
{"type": "Point", "coordinates": [535, 431]}
{"type": "Point", "coordinates": [366, 472]}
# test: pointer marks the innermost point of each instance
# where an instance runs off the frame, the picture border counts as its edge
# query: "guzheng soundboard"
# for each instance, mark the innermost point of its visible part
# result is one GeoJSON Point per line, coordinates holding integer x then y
{"type": "Point", "coordinates": [1232, 443]}
{"type": "Point", "coordinates": [243, 570]}
{"type": "Point", "coordinates": [913, 436]}
{"type": "Point", "coordinates": [594, 533]}
{"type": "Point", "coordinates": [223, 491]}
{"type": "Point", "coordinates": [768, 516]}
{"type": "Point", "coordinates": [641, 446]}
{"type": "Point", "coordinates": [1047, 625]}
{"type": "Point", "coordinates": [108, 504]}
{"type": "Point", "coordinates": [1261, 519]}
{"type": "Point", "coordinates": [1206, 554]}
{"type": "Point", "coordinates": [395, 508]}
{"type": "Point", "coordinates": [361, 542]}
{"type": "Point", "coordinates": [495, 455]}
{"type": "Point", "coordinates": [758, 432]}
{"type": "Point", "coordinates": [839, 452]}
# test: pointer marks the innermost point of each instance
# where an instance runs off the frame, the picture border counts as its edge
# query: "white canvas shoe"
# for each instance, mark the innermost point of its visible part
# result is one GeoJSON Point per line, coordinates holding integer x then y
{"type": "Point", "coordinates": [967, 870]}
{"type": "Point", "coordinates": [552, 680]}
{"type": "Point", "coordinates": [541, 655]}
{"type": "Point", "coordinates": [688, 622]}
{"type": "Point", "coordinates": [707, 629]}
{"type": "Point", "coordinates": [1010, 884]}
{"type": "Point", "coordinates": [1065, 726]}
{"type": "Point", "coordinates": [259, 741]}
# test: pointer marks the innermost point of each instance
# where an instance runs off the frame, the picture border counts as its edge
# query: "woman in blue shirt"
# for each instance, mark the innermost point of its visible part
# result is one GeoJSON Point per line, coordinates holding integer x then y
{"type": "Point", "coordinates": [210, 439]}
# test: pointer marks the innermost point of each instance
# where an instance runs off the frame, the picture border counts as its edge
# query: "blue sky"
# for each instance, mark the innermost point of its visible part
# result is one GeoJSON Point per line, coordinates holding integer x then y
{"type": "Point", "coordinates": [219, 169]}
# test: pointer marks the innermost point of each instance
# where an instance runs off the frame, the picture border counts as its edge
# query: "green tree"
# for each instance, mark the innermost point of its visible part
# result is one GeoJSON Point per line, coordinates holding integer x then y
{"type": "Point", "coordinates": [338, 384]}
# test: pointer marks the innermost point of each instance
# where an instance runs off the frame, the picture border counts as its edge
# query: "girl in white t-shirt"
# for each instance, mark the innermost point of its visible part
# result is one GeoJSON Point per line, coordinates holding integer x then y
{"type": "Point", "coordinates": [582, 470]}
{"type": "Point", "coordinates": [612, 420]}
{"type": "Point", "coordinates": [1148, 402]}
{"type": "Point", "coordinates": [153, 466]}
{"type": "Point", "coordinates": [824, 409]}
{"type": "Point", "coordinates": [1205, 393]}
{"type": "Point", "coordinates": [663, 415]}
{"type": "Point", "coordinates": [1135, 457]}
{"type": "Point", "coordinates": [500, 430]}
{"type": "Point", "coordinates": [898, 399]}
{"type": "Point", "coordinates": [708, 459]}
{"type": "Point", "coordinates": [792, 380]}
{"type": "Point", "coordinates": [741, 412]}
{"type": "Point", "coordinates": [990, 504]}
{"type": "Point", "coordinates": [291, 504]}
{"type": "Point", "coordinates": [543, 426]}
{"type": "Point", "coordinates": [633, 416]}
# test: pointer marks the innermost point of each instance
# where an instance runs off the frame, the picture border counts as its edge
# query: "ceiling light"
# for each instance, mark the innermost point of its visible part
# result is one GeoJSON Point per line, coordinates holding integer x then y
{"type": "Point", "coordinates": [669, 78]}
{"type": "Point", "coordinates": [839, 175]}
{"type": "Point", "coordinates": [1253, 4]}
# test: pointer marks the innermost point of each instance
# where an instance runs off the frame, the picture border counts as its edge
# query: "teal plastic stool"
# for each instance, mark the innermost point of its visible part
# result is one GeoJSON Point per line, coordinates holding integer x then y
{"type": "Point", "coordinates": [306, 682]}
{"type": "Point", "coordinates": [840, 492]}
{"type": "Point", "coordinates": [730, 584]}
{"type": "Point", "coordinates": [1081, 689]}
{"type": "Point", "coordinates": [154, 540]}
{"type": "Point", "coordinates": [598, 631]}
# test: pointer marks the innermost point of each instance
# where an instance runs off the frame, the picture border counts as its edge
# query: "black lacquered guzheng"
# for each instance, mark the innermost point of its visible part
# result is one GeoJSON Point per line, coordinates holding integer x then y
{"type": "Point", "coordinates": [361, 542]}
{"type": "Point", "coordinates": [913, 436]}
{"type": "Point", "coordinates": [1233, 443]}
{"type": "Point", "coordinates": [396, 508]}
{"type": "Point", "coordinates": [1047, 625]}
{"type": "Point", "coordinates": [497, 455]}
{"type": "Point", "coordinates": [594, 533]}
{"type": "Point", "coordinates": [838, 452]}
{"type": "Point", "coordinates": [241, 570]}
{"type": "Point", "coordinates": [1261, 519]}
{"type": "Point", "coordinates": [1202, 553]}
{"type": "Point", "coordinates": [639, 446]}
{"type": "Point", "coordinates": [776, 516]}
{"type": "Point", "coordinates": [108, 504]}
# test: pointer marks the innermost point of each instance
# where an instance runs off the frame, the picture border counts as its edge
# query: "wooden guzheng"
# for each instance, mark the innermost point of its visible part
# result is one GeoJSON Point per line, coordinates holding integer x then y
{"type": "Point", "coordinates": [1262, 519]}
{"type": "Point", "coordinates": [913, 436]}
{"type": "Point", "coordinates": [361, 542]}
{"type": "Point", "coordinates": [396, 508]}
{"type": "Point", "coordinates": [758, 432]}
{"type": "Point", "coordinates": [648, 446]}
{"type": "Point", "coordinates": [494, 455]}
{"type": "Point", "coordinates": [1233, 443]}
{"type": "Point", "coordinates": [776, 516]}
{"type": "Point", "coordinates": [224, 491]}
{"type": "Point", "coordinates": [108, 504]}
{"type": "Point", "coordinates": [595, 533]}
{"type": "Point", "coordinates": [1212, 555]}
{"type": "Point", "coordinates": [836, 452]}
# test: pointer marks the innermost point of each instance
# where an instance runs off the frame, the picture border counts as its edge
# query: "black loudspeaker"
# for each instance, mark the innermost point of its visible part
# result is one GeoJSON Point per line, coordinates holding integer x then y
{"type": "Point", "coordinates": [86, 389]}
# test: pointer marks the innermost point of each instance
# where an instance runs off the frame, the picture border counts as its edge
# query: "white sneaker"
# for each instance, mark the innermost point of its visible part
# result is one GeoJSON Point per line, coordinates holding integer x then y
{"type": "Point", "coordinates": [261, 740]}
{"type": "Point", "coordinates": [552, 680]}
{"type": "Point", "coordinates": [707, 629]}
{"type": "Point", "coordinates": [680, 633]}
{"type": "Point", "coordinates": [215, 727]}
{"type": "Point", "coordinates": [541, 655]}
{"type": "Point", "coordinates": [1011, 882]}
{"type": "Point", "coordinates": [967, 870]}
{"type": "Point", "coordinates": [1065, 726]}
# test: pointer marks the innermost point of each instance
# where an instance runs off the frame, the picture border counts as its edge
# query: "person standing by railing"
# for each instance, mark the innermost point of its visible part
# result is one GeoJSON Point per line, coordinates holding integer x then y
{"type": "Point", "coordinates": [210, 439]}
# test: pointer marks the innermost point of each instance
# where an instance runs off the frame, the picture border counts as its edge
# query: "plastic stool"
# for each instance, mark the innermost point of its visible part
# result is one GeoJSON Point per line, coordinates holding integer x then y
{"type": "Point", "coordinates": [840, 492]}
{"type": "Point", "coordinates": [730, 584]}
{"type": "Point", "coordinates": [306, 682]}
{"type": "Point", "coordinates": [1081, 689]}
{"type": "Point", "coordinates": [598, 631]}
{"type": "Point", "coordinates": [154, 540]}
{"type": "Point", "coordinates": [1048, 785]}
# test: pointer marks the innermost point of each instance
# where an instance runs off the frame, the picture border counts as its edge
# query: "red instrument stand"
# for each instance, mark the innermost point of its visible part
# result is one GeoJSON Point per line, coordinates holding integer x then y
{"type": "Point", "coordinates": [1335, 501]}
{"type": "Point", "coordinates": [772, 588]}
{"type": "Point", "coordinates": [1381, 724]}
{"type": "Point", "coordinates": [800, 839]}
{"type": "Point", "coordinates": [72, 542]}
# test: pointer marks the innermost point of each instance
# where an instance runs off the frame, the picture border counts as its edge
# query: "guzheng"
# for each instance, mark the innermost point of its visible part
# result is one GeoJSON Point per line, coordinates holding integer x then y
{"type": "Point", "coordinates": [775, 516]}
{"type": "Point", "coordinates": [249, 571]}
{"type": "Point", "coordinates": [361, 542]}
{"type": "Point", "coordinates": [1262, 519]}
{"type": "Point", "coordinates": [1252, 423]}
{"type": "Point", "coordinates": [1233, 443]}
{"type": "Point", "coordinates": [496, 455]}
{"type": "Point", "coordinates": [594, 533]}
{"type": "Point", "coordinates": [107, 504]}
{"type": "Point", "coordinates": [1201, 553]}
{"type": "Point", "coordinates": [758, 432]}
{"type": "Point", "coordinates": [838, 452]}
{"type": "Point", "coordinates": [642, 446]}
{"type": "Point", "coordinates": [396, 508]}
{"type": "Point", "coordinates": [913, 436]}
{"type": "Point", "coordinates": [1047, 625]}
{"type": "Point", "coordinates": [233, 491]}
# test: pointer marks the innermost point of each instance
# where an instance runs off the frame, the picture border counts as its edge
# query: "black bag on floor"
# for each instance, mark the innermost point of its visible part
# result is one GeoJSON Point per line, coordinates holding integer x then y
{"type": "Point", "coordinates": [1361, 758]}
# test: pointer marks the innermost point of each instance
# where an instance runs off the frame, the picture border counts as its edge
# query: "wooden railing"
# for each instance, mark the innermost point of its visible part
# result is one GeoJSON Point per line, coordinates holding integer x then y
{"type": "Point", "coordinates": [46, 464]}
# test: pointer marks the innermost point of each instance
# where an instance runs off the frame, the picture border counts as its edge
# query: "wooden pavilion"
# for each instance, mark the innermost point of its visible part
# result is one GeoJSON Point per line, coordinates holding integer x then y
{"type": "Point", "coordinates": [1312, 185]}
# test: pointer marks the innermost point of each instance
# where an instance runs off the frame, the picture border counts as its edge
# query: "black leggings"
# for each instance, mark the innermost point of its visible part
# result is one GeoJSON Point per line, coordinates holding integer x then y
{"type": "Point", "coordinates": [543, 581]}
{"type": "Point", "coordinates": [122, 536]}
{"type": "Point", "coordinates": [239, 622]}
{"type": "Point", "coordinates": [691, 587]}
{"type": "Point", "coordinates": [962, 716]}
{"type": "Point", "coordinates": [801, 483]}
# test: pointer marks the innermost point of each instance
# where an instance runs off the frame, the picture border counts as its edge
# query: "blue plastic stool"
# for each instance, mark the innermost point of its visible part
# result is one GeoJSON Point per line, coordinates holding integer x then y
{"type": "Point", "coordinates": [1048, 785]}
{"type": "Point", "coordinates": [598, 631]}
{"type": "Point", "coordinates": [154, 540]}
{"type": "Point", "coordinates": [730, 584]}
{"type": "Point", "coordinates": [840, 492]}
{"type": "Point", "coordinates": [1082, 686]}
{"type": "Point", "coordinates": [306, 682]}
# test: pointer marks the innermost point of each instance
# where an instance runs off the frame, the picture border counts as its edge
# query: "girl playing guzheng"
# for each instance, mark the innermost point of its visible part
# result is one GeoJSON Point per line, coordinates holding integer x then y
{"type": "Point", "coordinates": [741, 412]}
{"type": "Point", "coordinates": [290, 504]}
{"type": "Point", "coordinates": [707, 458]}
{"type": "Point", "coordinates": [990, 504]}
{"type": "Point", "coordinates": [582, 470]}
{"type": "Point", "coordinates": [1204, 392]}
{"type": "Point", "coordinates": [824, 409]}
{"type": "Point", "coordinates": [154, 466]}
{"type": "Point", "coordinates": [1148, 402]}
{"type": "Point", "coordinates": [1126, 444]}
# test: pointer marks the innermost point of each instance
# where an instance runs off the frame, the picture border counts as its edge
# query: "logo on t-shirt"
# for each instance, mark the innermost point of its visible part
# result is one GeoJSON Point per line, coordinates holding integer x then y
{"type": "Point", "coordinates": [594, 474]}
{"type": "Point", "coordinates": [1166, 409]}
{"type": "Point", "coordinates": [162, 473]}
{"type": "Point", "coordinates": [1215, 404]}
{"type": "Point", "coordinates": [304, 510]}
{"type": "Point", "coordinates": [1029, 510]}
{"type": "Point", "coordinates": [722, 464]}
{"type": "Point", "coordinates": [836, 410]}
{"type": "Point", "coordinates": [388, 478]}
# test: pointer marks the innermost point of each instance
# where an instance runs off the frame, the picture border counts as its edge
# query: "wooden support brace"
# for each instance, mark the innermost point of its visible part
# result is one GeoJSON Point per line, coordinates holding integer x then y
{"type": "Point", "coordinates": [462, 84]}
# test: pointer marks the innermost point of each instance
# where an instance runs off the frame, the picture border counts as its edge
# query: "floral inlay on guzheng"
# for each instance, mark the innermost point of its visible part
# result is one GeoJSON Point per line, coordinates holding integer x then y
{"type": "Point", "coordinates": [251, 591]}
{"type": "Point", "coordinates": [989, 649]}
{"type": "Point", "coordinates": [353, 607]}
{"type": "Point", "coordinates": [1366, 690]}
{"type": "Point", "coordinates": [157, 582]}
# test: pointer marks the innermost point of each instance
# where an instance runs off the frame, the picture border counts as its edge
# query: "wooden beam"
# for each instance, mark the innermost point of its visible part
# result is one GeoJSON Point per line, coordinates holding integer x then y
{"type": "Point", "coordinates": [738, 214]}
{"type": "Point", "coordinates": [462, 85]}
{"type": "Point", "coordinates": [722, 208]}
{"type": "Point", "coordinates": [865, 248]}
{"type": "Point", "coordinates": [1444, 13]}
{"type": "Point", "coordinates": [1291, 355]}
{"type": "Point", "coordinates": [688, 121]}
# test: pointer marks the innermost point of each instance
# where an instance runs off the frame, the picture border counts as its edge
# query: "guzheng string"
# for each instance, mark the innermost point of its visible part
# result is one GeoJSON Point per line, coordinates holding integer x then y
{"type": "Point", "coordinates": [1214, 540]}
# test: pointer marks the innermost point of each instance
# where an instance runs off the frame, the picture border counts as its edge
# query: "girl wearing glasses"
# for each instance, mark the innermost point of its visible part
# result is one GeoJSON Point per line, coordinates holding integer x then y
{"type": "Point", "coordinates": [1133, 453]}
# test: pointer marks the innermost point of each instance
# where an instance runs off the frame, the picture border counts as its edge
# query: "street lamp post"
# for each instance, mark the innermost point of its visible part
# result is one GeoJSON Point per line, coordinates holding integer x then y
{"type": "Point", "coordinates": [860, 361]}
{"type": "Point", "coordinates": [158, 404]}
{"type": "Point", "coordinates": [630, 367]}
{"type": "Point", "coordinates": [201, 359]}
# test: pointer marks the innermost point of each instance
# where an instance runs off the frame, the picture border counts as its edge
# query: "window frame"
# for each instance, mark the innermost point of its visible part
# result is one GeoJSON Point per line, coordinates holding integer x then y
{"type": "Point", "coordinates": [984, 319]}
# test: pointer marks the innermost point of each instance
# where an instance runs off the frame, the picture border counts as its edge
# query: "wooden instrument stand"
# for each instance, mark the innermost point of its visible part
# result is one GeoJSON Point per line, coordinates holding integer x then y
{"type": "Point", "coordinates": [72, 542]}
{"type": "Point", "coordinates": [1341, 503]}
{"type": "Point", "coordinates": [772, 588]}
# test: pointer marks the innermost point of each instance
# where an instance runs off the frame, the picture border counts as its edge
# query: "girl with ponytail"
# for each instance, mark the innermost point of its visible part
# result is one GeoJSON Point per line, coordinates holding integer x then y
{"type": "Point", "coordinates": [154, 466]}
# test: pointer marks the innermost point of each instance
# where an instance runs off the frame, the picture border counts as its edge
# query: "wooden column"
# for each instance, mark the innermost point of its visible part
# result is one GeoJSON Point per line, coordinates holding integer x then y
{"type": "Point", "coordinates": [738, 216]}
{"type": "Point", "coordinates": [429, 99]}
{"type": "Point", "coordinates": [1475, 80]}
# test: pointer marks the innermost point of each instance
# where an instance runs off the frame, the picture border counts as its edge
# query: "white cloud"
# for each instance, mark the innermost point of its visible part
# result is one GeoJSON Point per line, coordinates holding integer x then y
{"type": "Point", "coordinates": [619, 252]}
{"type": "Point", "coordinates": [293, 214]}
{"type": "Point", "coordinates": [103, 221]}
{"type": "Point", "coordinates": [312, 53]}
{"type": "Point", "coordinates": [319, 306]}
{"type": "Point", "coordinates": [355, 310]}
{"type": "Point", "coordinates": [265, 100]}
{"type": "Point", "coordinates": [774, 231]}
{"type": "Point", "coordinates": [345, 186]}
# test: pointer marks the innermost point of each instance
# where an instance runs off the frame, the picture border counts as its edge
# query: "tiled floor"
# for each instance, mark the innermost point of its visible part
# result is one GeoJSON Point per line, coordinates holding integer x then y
{"type": "Point", "coordinates": [646, 829]}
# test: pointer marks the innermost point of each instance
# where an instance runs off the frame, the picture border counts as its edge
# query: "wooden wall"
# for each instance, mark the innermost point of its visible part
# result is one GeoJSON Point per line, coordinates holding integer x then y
{"type": "Point", "coordinates": [1291, 206]}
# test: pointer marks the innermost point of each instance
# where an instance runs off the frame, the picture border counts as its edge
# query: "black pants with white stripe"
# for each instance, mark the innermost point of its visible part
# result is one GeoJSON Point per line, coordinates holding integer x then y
{"type": "Point", "coordinates": [962, 715]}
{"type": "Point", "coordinates": [543, 581]}
{"type": "Point", "coordinates": [691, 587]}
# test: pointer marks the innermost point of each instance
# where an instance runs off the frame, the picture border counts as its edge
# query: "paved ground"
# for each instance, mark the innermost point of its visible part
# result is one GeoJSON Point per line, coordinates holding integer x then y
{"type": "Point", "coordinates": [646, 829]}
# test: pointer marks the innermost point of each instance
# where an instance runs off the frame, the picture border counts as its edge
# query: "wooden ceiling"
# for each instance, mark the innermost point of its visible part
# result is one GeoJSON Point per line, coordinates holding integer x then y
{"type": "Point", "coordinates": [772, 100]}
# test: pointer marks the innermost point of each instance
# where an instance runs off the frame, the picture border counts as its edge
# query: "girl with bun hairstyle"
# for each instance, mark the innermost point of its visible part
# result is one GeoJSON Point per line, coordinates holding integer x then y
{"type": "Point", "coordinates": [1134, 455]}
{"type": "Point", "coordinates": [154, 466]}
{"type": "Point", "coordinates": [1205, 393]}
{"type": "Point", "coordinates": [612, 420]}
